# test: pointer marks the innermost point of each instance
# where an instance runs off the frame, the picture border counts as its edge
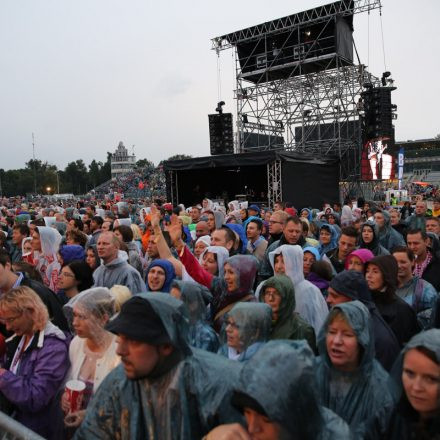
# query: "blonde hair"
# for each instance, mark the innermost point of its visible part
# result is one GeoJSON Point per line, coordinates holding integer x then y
{"type": "Point", "coordinates": [137, 235]}
{"type": "Point", "coordinates": [24, 299]}
{"type": "Point", "coordinates": [120, 295]}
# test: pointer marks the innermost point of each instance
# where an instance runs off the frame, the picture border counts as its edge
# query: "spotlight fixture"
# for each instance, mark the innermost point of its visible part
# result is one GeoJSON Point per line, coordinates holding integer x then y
{"type": "Point", "coordinates": [219, 107]}
{"type": "Point", "coordinates": [307, 113]}
{"type": "Point", "coordinates": [244, 119]}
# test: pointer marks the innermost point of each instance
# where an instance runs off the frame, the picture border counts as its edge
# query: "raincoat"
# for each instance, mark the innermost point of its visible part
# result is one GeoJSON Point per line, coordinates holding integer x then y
{"type": "Point", "coordinates": [253, 321]}
{"type": "Point", "coordinates": [363, 254]}
{"type": "Point", "coordinates": [46, 261]}
{"type": "Point", "coordinates": [170, 273]}
{"type": "Point", "coordinates": [405, 422]}
{"type": "Point", "coordinates": [35, 390]}
{"type": "Point", "coordinates": [118, 271]}
{"type": "Point", "coordinates": [185, 402]}
{"type": "Point", "coordinates": [288, 396]}
{"type": "Point", "coordinates": [352, 284]}
{"type": "Point", "coordinates": [240, 231]}
{"type": "Point", "coordinates": [362, 396]}
{"type": "Point", "coordinates": [310, 303]}
{"type": "Point", "coordinates": [200, 334]}
{"type": "Point", "coordinates": [289, 325]}
{"type": "Point", "coordinates": [395, 311]}
{"type": "Point", "coordinates": [334, 236]}
{"type": "Point", "coordinates": [389, 238]}
{"type": "Point", "coordinates": [374, 246]}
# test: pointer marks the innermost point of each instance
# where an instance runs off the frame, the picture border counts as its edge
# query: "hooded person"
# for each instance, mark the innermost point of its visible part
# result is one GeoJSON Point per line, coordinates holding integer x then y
{"type": "Point", "coordinates": [350, 381]}
{"type": "Point", "coordinates": [416, 387]}
{"type": "Point", "coordinates": [241, 233]}
{"type": "Point", "coordinates": [282, 398]}
{"type": "Point", "coordinates": [381, 276]}
{"type": "Point", "coordinates": [328, 238]}
{"type": "Point", "coordinates": [389, 238]}
{"type": "Point", "coordinates": [278, 292]}
{"type": "Point", "coordinates": [46, 242]}
{"type": "Point", "coordinates": [195, 297]}
{"type": "Point", "coordinates": [350, 285]}
{"type": "Point", "coordinates": [357, 259]}
{"type": "Point", "coordinates": [246, 329]}
{"type": "Point", "coordinates": [163, 387]}
{"type": "Point", "coordinates": [160, 275]}
{"type": "Point", "coordinates": [369, 239]}
{"type": "Point", "coordinates": [310, 303]}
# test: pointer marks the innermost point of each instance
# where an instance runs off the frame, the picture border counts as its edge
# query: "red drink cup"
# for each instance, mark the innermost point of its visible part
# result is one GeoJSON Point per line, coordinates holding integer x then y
{"type": "Point", "coordinates": [75, 391]}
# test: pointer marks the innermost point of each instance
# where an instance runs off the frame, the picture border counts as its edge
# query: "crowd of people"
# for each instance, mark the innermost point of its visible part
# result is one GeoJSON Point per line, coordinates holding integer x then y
{"type": "Point", "coordinates": [221, 322]}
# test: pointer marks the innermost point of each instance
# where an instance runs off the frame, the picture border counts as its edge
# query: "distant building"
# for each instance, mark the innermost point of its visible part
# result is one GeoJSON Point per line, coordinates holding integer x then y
{"type": "Point", "coordinates": [122, 162]}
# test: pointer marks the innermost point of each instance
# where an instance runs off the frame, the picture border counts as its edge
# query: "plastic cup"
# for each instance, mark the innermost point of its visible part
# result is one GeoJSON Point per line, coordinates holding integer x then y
{"type": "Point", "coordinates": [75, 392]}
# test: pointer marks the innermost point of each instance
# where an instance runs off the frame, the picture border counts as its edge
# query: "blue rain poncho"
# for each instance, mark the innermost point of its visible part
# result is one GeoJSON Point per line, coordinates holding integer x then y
{"type": "Point", "coordinates": [278, 382]}
{"type": "Point", "coordinates": [253, 321]}
{"type": "Point", "coordinates": [184, 403]}
{"type": "Point", "coordinates": [200, 333]}
{"type": "Point", "coordinates": [389, 238]}
{"type": "Point", "coordinates": [362, 396]}
{"type": "Point", "coordinates": [334, 236]}
{"type": "Point", "coordinates": [405, 422]}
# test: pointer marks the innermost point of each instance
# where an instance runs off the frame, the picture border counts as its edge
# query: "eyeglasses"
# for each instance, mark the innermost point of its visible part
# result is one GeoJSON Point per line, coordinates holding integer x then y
{"type": "Point", "coordinates": [67, 274]}
{"type": "Point", "coordinates": [271, 296]}
{"type": "Point", "coordinates": [10, 320]}
{"type": "Point", "coordinates": [232, 324]}
{"type": "Point", "coordinates": [272, 222]}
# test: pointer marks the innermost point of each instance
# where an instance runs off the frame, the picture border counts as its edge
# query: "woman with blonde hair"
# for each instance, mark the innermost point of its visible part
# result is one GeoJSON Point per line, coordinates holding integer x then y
{"type": "Point", "coordinates": [35, 363]}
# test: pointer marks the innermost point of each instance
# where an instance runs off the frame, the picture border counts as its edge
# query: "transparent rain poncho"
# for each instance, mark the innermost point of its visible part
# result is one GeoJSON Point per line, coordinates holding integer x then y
{"type": "Point", "coordinates": [185, 402]}
{"type": "Point", "coordinates": [279, 382]}
{"type": "Point", "coordinates": [360, 397]}
{"type": "Point", "coordinates": [253, 321]}
{"type": "Point", "coordinates": [195, 297]}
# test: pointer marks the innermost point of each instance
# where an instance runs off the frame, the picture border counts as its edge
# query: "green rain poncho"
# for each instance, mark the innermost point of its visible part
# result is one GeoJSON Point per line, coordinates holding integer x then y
{"type": "Point", "coordinates": [289, 325]}
{"type": "Point", "coordinates": [360, 397]}
{"type": "Point", "coordinates": [253, 321]}
{"type": "Point", "coordinates": [278, 382]}
{"type": "Point", "coordinates": [184, 403]}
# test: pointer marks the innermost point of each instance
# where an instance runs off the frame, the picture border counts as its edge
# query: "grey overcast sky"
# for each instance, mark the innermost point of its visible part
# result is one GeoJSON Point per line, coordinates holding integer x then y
{"type": "Point", "coordinates": [86, 74]}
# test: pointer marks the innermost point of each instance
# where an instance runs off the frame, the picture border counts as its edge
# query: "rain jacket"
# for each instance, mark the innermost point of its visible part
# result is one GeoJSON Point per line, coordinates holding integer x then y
{"type": "Point", "coordinates": [395, 311]}
{"type": "Point", "coordinates": [200, 334]}
{"type": "Point", "coordinates": [389, 238]}
{"type": "Point", "coordinates": [253, 321]}
{"type": "Point", "coordinates": [352, 284]}
{"type": "Point", "coordinates": [134, 259]}
{"type": "Point", "coordinates": [288, 396]}
{"type": "Point", "coordinates": [421, 296]}
{"type": "Point", "coordinates": [170, 273]}
{"type": "Point", "coordinates": [34, 391]}
{"type": "Point", "coordinates": [334, 236]}
{"type": "Point", "coordinates": [374, 246]}
{"type": "Point", "coordinates": [240, 231]}
{"type": "Point", "coordinates": [183, 403]}
{"type": "Point", "coordinates": [289, 325]}
{"type": "Point", "coordinates": [310, 303]}
{"type": "Point", "coordinates": [405, 422]}
{"type": "Point", "coordinates": [362, 396]}
{"type": "Point", "coordinates": [120, 272]}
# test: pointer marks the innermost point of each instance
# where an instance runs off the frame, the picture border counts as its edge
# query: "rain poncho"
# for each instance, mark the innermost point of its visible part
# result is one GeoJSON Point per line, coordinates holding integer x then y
{"type": "Point", "coordinates": [347, 217]}
{"type": "Point", "coordinates": [253, 321]}
{"type": "Point", "coordinates": [405, 422]}
{"type": "Point", "coordinates": [200, 334]}
{"type": "Point", "coordinates": [185, 402]}
{"type": "Point", "coordinates": [361, 396]}
{"type": "Point", "coordinates": [363, 254]}
{"type": "Point", "coordinates": [71, 252]}
{"type": "Point", "coordinates": [279, 383]}
{"type": "Point", "coordinates": [374, 246]}
{"type": "Point", "coordinates": [289, 325]}
{"type": "Point", "coordinates": [222, 255]}
{"type": "Point", "coordinates": [352, 284]}
{"type": "Point", "coordinates": [334, 236]}
{"type": "Point", "coordinates": [240, 231]}
{"type": "Point", "coordinates": [389, 238]}
{"type": "Point", "coordinates": [310, 303]}
{"type": "Point", "coordinates": [170, 273]}
{"type": "Point", "coordinates": [46, 261]}
{"type": "Point", "coordinates": [397, 313]}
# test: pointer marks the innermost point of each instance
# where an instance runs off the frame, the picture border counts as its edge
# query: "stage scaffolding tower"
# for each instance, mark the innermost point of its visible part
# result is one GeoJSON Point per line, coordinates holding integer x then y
{"type": "Point", "coordinates": [298, 87]}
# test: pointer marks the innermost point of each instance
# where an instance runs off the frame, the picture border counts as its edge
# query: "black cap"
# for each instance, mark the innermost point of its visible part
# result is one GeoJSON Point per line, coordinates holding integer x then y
{"type": "Point", "coordinates": [138, 320]}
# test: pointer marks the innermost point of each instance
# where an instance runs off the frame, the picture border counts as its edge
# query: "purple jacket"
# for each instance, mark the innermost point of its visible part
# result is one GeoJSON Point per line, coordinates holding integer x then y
{"type": "Point", "coordinates": [35, 390]}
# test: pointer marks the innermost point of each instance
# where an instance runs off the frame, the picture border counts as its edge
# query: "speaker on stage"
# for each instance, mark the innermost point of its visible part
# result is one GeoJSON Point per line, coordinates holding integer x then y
{"type": "Point", "coordinates": [221, 134]}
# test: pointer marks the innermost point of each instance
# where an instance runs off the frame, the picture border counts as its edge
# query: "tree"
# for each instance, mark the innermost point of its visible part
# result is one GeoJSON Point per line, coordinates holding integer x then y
{"type": "Point", "coordinates": [143, 163]}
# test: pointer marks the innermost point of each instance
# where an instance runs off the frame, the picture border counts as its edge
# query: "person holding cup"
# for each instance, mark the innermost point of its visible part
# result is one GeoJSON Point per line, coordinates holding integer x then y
{"type": "Point", "coordinates": [92, 351]}
{"type": "Point", "coordinates": [35, 363]}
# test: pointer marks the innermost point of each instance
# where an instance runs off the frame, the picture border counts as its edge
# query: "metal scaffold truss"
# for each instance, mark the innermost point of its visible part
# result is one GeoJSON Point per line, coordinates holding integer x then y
{"type": "Point", "coordinates": [297, 87]}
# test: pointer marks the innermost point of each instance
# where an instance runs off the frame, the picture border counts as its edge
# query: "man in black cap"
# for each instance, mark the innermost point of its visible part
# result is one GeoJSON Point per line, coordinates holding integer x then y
{"type": "Point", "coordinates": [163, 389]}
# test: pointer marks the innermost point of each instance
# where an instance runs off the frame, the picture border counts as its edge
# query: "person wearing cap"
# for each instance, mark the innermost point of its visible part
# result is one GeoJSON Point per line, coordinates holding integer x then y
{"type": "Point", "coordinates": [253, 210]}
{"type": "Point", "coordinates": [163, 389]}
